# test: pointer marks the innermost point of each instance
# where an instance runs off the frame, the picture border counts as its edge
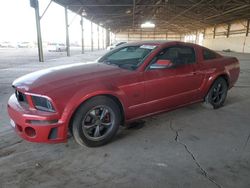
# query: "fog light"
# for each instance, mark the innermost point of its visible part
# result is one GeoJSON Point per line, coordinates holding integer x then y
{"type": "Point", "coordinates": [29, 131]}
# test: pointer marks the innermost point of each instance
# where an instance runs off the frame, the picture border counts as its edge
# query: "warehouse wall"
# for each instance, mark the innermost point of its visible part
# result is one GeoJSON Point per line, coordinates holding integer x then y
{"type": "Point", "coordinates": [234, 43]}
{"type": "Point", "coordinates": [143, 35]}
{"type": "Point", "coordinates": [236, 40]}
{"type": "Point", "coordinates": [217, 38]}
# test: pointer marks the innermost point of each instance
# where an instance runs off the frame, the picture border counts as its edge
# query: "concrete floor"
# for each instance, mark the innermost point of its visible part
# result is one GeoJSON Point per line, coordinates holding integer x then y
{"type": "Point", "coordinates": [189, 147]}
{"type": "Point", "coordinates": [9, 57]}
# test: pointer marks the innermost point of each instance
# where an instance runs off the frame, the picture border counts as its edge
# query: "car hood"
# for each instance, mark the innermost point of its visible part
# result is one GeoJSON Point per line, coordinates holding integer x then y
{"type": "Point", "coordinates": [46, 80]}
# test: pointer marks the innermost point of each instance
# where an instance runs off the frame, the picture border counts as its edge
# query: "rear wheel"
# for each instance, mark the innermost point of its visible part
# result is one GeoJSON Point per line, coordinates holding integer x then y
{"type": "Point", "coordinates": [96, 121]}
{"type": "Point", "coordinates": [217, 93]}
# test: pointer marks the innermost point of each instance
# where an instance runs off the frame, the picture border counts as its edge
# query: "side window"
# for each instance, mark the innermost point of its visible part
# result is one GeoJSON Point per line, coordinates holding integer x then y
{"type": "Point", "coordinates": [178, 55]}
{"type": "Point", "coordinates": [187, 55]}
{"type": "Point", "coordinates": [208, 54]}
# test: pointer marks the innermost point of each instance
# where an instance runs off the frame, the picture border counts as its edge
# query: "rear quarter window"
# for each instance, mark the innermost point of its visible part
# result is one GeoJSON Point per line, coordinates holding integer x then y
{"type": "Point", "coordinates": [208, 54]}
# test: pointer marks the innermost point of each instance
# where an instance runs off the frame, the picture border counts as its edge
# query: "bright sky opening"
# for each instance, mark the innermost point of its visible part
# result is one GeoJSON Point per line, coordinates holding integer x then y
{"type": "Point", "coordinates": [17, 20]}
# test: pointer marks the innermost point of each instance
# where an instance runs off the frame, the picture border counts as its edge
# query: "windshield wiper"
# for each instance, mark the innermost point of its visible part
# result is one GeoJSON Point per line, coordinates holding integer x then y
{"type": "Point", "coordinates": [128, 66]}
{"type": "Point", "coordinates": [123, 65]}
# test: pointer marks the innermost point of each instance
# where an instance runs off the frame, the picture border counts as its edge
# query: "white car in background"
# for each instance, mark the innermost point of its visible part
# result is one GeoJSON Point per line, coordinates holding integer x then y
{"type": "Point", "coordinates": [6, 44]}
{"type": "Point", "coordinates": [56, 47]}
{"type": "Point", "coordinates": [112, 46]}
{"type": "Point", "coordinates": [25, 45]}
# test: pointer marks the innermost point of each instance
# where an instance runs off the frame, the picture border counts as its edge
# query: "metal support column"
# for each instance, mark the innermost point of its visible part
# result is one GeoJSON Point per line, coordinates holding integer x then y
{"type": "Point", "coordinates": [107, 38]}
{"type": "Point", "coordinates": [247, 31]}
{"type": "Point", "coordinates": [82, 35]}
{"type": "Point", "coordinates": [214, 32]}
{"type": "Point", "coordinates": [67, 31]}
{"type": "Point", "coordinates": [196, 37]}
{"type": "Point", "coordinates": [92, 42]}
{"type": "Point", "coordinates": [228, 29]}
{"type": "Point", "coordinates": [35, 5]}
{"type": "Point", "coordinates": [103, 39]}
{"type": "Point", "coordinates": [98, 38]}
{"type": "Point", "coordinates": [128, 35]}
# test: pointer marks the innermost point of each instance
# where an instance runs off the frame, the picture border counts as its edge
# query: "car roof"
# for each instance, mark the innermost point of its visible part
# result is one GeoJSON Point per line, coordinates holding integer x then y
{"type": "Point", "coordinates": [159, 43]}
{"type": "Point", "coordinates": [148, 42]}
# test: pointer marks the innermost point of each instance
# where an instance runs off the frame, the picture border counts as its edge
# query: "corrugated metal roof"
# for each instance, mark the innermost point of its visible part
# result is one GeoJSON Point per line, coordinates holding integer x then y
{"type": "Point", "coordinates": [180, 16]}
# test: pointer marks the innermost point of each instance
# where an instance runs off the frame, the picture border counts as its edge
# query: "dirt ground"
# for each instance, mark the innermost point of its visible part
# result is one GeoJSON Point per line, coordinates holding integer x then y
{"type": "Point", "coordinates": [189, 147]}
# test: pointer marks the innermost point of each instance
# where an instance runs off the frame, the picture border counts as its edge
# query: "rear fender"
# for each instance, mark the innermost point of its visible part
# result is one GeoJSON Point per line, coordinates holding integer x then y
{"type": "Point", "coordinates": [212, 78]}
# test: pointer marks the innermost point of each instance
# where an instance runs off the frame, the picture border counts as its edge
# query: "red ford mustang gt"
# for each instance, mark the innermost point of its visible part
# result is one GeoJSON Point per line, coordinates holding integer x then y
{"type": "Point", "coordinates": [130, 82]}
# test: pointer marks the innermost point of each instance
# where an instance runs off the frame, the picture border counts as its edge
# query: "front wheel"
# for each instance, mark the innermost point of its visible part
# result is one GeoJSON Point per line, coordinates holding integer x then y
{"type": "Point", "coordinates": [96, 121]}
{"type": "Point", "coordinates": [217, 94]}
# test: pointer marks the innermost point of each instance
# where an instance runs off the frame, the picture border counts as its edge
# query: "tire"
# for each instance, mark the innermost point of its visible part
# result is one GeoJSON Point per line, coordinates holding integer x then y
{"type": "Point", "coordinates": [96, 121]}
{"type": "Point", "coordinates": [217, 94]}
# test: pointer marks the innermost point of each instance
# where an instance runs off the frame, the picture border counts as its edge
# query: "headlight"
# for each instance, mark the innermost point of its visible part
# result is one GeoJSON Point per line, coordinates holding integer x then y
{"type": "Point", "coordinates": [43, 104]}
{"type": "Point", "coordinates": [21, 97]}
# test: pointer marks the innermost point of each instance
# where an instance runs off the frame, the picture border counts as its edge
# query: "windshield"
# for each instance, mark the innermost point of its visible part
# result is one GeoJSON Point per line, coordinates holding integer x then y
{"type": "Point", "coordinates": [129, 57]}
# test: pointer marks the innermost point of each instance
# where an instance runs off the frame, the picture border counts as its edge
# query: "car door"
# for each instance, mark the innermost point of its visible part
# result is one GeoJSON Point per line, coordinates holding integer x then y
{"type": "Point", "coordinates": [173, 86]}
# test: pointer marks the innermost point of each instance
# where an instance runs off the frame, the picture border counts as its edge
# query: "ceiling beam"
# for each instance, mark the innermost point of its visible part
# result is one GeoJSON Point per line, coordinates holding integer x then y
{"type": "Point", "coordinates": [185, 11]}
{"type": "Point", "coordinates": [133, 24]}
{"type": "Point", "coordinates": [146, 5]}
{"type": "Point", "coordinates": [227, 12]}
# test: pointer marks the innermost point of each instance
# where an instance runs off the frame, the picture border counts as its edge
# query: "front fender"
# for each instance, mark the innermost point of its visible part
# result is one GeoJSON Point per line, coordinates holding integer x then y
{"type": "Point", "coordinates": [86, 93]}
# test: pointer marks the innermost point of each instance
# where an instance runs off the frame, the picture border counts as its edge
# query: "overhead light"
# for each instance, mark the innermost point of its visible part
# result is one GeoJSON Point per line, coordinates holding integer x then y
{"type": "Point", "coordinates": [84, 13]}
{"type": "Point", "coordinates": [148, 25]}
{"type": "Point", "coordinates": [128, 11]}
{"type": "Point", "coordinates": [101, 24]}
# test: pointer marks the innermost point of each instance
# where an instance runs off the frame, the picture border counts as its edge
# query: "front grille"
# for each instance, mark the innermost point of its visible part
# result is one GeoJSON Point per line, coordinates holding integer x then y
{"type": "Point", "coordinates": [21, 97]}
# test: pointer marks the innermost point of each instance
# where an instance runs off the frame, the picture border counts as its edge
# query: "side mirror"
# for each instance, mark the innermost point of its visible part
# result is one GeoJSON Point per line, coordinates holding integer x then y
{"type": "Point", "coordinates": [161, 64]}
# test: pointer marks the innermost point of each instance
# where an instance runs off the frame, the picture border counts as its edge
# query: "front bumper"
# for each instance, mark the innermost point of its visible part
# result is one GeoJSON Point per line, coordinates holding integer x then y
{"type": "Point", "coordinates": [34, 125]}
